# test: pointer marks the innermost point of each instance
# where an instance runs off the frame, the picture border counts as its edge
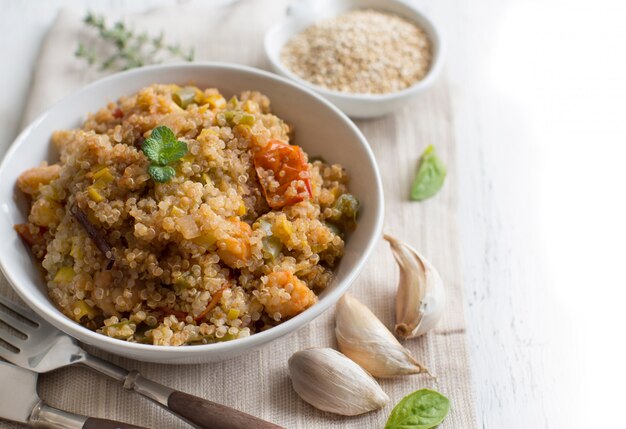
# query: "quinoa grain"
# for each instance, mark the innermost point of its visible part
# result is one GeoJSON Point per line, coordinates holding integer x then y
{"type": "Point", "coordinates": [362, 51]}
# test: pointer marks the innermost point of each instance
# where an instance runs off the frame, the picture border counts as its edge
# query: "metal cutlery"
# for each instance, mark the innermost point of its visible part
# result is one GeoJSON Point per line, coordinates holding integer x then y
{"type": "Point", "coordinates": [46, 348]}
{"type": "Point", "coordinates": [20, 403]}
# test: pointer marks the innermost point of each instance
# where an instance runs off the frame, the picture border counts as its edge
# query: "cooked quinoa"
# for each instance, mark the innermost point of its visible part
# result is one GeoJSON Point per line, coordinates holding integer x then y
{"type": "Point", "coordinates": [242, 237]}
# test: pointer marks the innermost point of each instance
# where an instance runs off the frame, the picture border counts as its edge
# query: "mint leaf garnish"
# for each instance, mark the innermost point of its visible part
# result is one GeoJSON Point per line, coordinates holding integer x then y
{"type": "Point", "coordinates": [160, 173]}
{"type": "Point", "coordinates": [151, 148]}
{"type": "Point", "coordinates": [163, 149]}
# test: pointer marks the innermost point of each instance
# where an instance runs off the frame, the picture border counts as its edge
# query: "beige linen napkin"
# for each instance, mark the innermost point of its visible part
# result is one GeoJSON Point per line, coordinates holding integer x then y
{"type": "Point", "coordinates": [258, 382]}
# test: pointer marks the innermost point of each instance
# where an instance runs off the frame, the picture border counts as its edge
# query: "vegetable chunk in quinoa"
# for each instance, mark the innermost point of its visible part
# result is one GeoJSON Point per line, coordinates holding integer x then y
{"type": "Point", "coordinates": [174, 217]}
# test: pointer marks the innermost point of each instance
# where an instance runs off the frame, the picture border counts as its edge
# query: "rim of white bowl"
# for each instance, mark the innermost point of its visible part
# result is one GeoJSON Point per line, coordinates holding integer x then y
{"type": "Point", "coordinates": [435, 69]}
{"type": "Point", "coordinates": [258, 339]}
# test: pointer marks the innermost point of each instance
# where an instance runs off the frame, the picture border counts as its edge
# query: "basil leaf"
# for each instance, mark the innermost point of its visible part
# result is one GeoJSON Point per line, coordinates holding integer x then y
{"type": "Point", "coordinates": [431, 174]}
{"type": "Point", "coordinates": [161, 173]}
{"type": "Point", "coordinates": [423, 409]}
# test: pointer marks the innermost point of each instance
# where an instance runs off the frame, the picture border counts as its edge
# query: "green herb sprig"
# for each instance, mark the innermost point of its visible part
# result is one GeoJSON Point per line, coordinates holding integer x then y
{"type": "Point", "coordinates": [422, 409]}
{"type": "Point", "coordinates": [431, 174]}
{"type": "Point", "coordinates": [124, 49]}
{"type": "Point", "coordinates": [162, 149]}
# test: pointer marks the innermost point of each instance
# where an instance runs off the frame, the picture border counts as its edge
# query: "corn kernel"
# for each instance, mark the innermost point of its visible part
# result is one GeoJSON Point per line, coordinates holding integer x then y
{"type": "Point", "coordinates": [64, 275]}
{"type": "Point", "coordinates": [205, 135]}
{"type": "Point", "coordinates": [233, 313]}
{"type": "Point", "coordinates": [283, 229]}
{"type": "Point", "coordinates": [177, 211]}
{"type": "Point", "coordinates": [216, 101]}
{"type": "Point", "coordinates": [206, 240]}
{"type": "Point", "coordinates": [77, 251]}
{"type": "Point", "coordinates": [94, 194]}
{"type": "Point", "coordinates": [82, 309]}
{"type": "Point", "coordinates": [104, 175]}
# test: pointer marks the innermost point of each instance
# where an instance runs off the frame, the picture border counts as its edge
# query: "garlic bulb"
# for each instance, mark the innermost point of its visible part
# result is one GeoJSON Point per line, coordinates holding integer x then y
{"type": "Point", "coordinates": [331, 382]}
{"type": "Point", "coordinates": [365, 340]}
{"type": "Point", "coordinates": [420, 298]}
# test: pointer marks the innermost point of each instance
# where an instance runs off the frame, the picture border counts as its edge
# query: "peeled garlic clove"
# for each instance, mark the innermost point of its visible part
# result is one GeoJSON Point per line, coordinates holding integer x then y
{"type": "Point", "coordinates": [368, 342]}
{"type": "Point", "coordinates": [420, 298]}
{"type": "Point", "coordinates": [331, 382]}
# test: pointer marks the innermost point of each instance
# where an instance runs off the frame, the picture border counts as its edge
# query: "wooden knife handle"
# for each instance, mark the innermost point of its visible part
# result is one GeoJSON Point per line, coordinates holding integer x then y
{"type": "Point", "coordinates": [95, 423]}
{"type": "Point", "coordinates": [210, 415]}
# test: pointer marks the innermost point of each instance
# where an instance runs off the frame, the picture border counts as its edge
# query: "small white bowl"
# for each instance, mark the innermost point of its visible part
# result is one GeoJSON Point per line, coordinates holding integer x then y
{"type": "Point", "coordinates": [306, 12]}
{"type": "Point", "coordinates": [320, 127]}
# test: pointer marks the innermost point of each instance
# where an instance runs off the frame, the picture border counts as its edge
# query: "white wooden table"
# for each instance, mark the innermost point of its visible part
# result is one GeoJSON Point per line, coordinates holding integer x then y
{"type": "Point", "coordinates": [521, 102]}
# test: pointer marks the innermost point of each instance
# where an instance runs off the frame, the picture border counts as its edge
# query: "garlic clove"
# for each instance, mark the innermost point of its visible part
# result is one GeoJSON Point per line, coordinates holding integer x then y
{"type": "Point", "coordinates": [420, 299]}
{"type": "Point", "coordinates": [330, 381]}
{"type": "Point", "coordinates": [368, 342]}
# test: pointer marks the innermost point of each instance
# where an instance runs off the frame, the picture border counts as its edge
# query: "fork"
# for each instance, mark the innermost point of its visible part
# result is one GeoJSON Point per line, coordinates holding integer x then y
{"type": "Point", "coordinates": [46, 348]}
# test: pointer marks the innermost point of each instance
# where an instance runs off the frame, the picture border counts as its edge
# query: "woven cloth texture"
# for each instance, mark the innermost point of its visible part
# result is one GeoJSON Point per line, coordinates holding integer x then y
{"type": "Point", "coordinates": [258, 382]}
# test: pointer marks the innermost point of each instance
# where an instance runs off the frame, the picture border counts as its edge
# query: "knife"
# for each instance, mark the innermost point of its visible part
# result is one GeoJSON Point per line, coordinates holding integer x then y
{"type": "Point", "coordinates": [20, 403]}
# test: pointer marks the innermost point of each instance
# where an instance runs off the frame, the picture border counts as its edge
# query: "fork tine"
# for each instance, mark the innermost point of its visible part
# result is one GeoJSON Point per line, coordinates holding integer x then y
{"type": "Point", "coordinates": [18, 308]}
{"type": "Point", "coordinates": [22, 311]}
{"type": "Point", "coordinates": [10, 339]}
{"type": "Point", "coordinates": [14, 322]}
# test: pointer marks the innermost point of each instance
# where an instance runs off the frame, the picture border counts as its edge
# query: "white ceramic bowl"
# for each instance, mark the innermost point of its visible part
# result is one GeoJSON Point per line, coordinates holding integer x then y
{"type": "Point", "coordinates": [321, 129]}
{"type": "Point", "coordinates": [306, 12]}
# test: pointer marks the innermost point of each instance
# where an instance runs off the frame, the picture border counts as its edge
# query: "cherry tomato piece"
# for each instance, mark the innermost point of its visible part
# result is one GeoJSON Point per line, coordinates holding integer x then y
{"type": "Point", "coordinates": [284, 174]}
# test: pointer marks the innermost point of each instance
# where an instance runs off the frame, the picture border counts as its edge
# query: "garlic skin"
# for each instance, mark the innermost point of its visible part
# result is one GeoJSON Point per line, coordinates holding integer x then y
{"type": "Point", "coordinates": [330, 381]}
{"type": "Point", "coordinates": [367, 341]}
{"type": "Point", "coordinates": [420, 299]}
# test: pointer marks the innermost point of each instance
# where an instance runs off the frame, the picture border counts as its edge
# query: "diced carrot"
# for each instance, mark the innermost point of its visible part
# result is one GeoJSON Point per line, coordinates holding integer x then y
{"type": "Point", "coordinates": [235, 250]}
{"type": "Point", "coordinates": [30, 180]}
{"type": "Point", "coordinates": [30, 234]}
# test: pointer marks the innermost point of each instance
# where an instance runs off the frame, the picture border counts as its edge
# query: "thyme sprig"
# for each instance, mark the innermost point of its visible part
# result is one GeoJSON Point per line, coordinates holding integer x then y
{"type": "Point", "coordinates": [121, 48]}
